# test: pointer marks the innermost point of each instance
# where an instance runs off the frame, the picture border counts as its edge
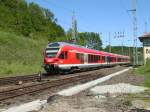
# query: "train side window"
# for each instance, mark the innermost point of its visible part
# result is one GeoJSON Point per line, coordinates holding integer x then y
{"type": "Point", "coordinates": [103, 58]}
{"type": "Point", "coordinates": [77, 55]}
{"type": "Point", "coordinates": [95, 58]}
{"type": "Point", "coordinates": [108, 59]}
{"type": "Point", "coordinates": [92, 58]}
{"type": "Point", "coordinates": [82, 58]}
{"type": "Point", "coordinates": [88, 57]}
{"type": "Point", "coordinates": [99, 58]}
{"type": "Point", "coordinates": [66, 54]}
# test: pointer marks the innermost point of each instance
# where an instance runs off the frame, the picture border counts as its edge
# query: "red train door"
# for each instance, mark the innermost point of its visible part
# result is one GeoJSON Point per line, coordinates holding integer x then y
{"type": "Point", "coordinates": [85, 58]}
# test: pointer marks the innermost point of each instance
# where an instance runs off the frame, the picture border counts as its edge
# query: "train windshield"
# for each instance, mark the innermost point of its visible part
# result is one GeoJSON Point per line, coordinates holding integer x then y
{"type": "Point", "coordinates": [51, 52]}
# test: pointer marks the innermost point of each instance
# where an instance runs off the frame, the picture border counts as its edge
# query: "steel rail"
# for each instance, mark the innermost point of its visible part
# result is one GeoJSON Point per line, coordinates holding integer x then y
{"type": "Point", "coordinates": [16, 79]}
{"type": "Point", "coordinates": [7, 94]}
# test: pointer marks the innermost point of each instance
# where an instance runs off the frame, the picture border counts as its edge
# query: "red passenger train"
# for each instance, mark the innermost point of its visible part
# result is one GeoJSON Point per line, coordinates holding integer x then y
{"type": "Point", "coordinates": [61, 56]}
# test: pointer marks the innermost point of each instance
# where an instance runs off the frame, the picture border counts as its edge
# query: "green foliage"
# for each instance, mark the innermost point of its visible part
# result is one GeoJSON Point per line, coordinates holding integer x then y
{"type": "Point", "coordinates": [87, 39]}
{"type": "Point", "coordinates": [144, 70]}
{"type": "Point", "coordinates": [20, 55]}
{"type": "Point", "coordinates": [124, 50]}
{"type": "Point", "coordinates": [90, 40]}
{"type": "Point", "coordinates": [27, 19]}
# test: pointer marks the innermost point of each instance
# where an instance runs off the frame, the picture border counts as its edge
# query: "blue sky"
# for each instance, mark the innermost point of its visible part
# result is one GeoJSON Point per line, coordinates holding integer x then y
{"type": "Point", "coordinates": [101, 16]}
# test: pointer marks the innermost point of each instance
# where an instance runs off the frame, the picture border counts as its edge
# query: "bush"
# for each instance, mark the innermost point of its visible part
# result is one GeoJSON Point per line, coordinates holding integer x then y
{"type": "Point", "coordinates": [145, 70]}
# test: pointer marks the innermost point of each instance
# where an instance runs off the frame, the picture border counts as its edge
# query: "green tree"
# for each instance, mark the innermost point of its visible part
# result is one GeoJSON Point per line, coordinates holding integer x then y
{"type": "Point", "coordinates": [37, 17]}
{"type": "Point", "coordinates": [26, 19]}
{"type": "Point", "coordinates": [90, 40]}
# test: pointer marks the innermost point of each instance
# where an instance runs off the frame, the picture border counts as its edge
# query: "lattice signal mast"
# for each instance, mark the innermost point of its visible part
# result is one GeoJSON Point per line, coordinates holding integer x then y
{"type": "Point", "coordinates": [74, 29]}
{"type": "Point", "coordinates": [135, 50]}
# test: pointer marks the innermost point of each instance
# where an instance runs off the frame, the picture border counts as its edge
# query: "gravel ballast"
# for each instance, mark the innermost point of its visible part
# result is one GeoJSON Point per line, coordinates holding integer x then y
{"type": "Point", "coordinates": [86, 101]}
{"type": "Point", "coordinates": [78, 88]}
{"type": "Point", "coordinates": [117, 88]}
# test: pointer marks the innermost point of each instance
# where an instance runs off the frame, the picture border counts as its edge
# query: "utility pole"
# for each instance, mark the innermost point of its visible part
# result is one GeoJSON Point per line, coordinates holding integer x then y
{"type": "Point", "coordinates": [129, 54]}
{"type": "Point", "coordinates": [109, 42]}
{"type": "Point", "coordinates": [135, 50]}
{"type": "Point", "coordinates": [120, 35]}
{"type": "Point", "coordinates": [122, 48]}
{"type": "Point", "coordinates": [135, 32]}
{"type": "Point", "coordinates": [74, 29]}
{"type": "Point", "coordinates": [129, 51]}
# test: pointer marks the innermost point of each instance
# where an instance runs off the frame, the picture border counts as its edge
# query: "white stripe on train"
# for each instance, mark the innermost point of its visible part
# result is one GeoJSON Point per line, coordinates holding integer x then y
{"type": "Point", "coordinates": [86, 65]}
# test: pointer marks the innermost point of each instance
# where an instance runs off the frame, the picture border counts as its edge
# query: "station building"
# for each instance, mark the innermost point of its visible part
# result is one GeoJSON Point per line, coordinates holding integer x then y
{"type": "Point", "coordinates": [145, 39]}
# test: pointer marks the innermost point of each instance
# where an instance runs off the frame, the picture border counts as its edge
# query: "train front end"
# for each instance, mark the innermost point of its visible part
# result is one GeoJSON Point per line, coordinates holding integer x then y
{"type": "Point", "coordinates": [50, 58]}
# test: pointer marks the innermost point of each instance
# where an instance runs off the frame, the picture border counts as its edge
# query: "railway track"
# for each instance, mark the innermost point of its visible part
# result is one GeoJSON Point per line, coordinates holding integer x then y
{"type": "Point", "coordinates": [19, 91]}
{"type": "Point", "coordinates": [30, 78]}
{"type": "Point", "coordinates": [15, 80]}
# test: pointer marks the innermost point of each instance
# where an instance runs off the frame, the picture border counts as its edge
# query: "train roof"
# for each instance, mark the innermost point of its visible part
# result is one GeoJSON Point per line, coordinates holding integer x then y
{"type": "Point", "coordinates": [61, 44]}
{"type": "Point", "coordinates": [84, 49]}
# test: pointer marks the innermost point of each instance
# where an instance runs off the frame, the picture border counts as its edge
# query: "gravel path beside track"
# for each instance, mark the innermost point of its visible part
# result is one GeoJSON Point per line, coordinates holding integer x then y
{"type": "Point", "coordinates": [88, 102]}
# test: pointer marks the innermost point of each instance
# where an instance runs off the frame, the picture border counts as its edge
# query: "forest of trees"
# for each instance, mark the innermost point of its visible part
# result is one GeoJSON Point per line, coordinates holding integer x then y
{"type": "Point", "coordinates": [28, 19]}
{"type": "Point", "coordinates": [33, 21]}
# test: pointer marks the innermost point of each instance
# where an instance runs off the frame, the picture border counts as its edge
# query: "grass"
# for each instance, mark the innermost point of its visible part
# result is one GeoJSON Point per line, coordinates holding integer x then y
{"type": "Point", "coordinates": [145, 71]}
{"type": "Point", "coordinates": [20, 55]}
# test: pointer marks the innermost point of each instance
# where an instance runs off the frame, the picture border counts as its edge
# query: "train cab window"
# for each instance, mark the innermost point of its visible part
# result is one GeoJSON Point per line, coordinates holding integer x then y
{"type": "Point", "coordinates": [63, 55]}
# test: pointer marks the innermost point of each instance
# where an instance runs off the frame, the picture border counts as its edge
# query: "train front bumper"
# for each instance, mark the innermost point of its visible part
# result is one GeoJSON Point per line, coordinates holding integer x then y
{"type": "Point", "coordinates": [50, 67]}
